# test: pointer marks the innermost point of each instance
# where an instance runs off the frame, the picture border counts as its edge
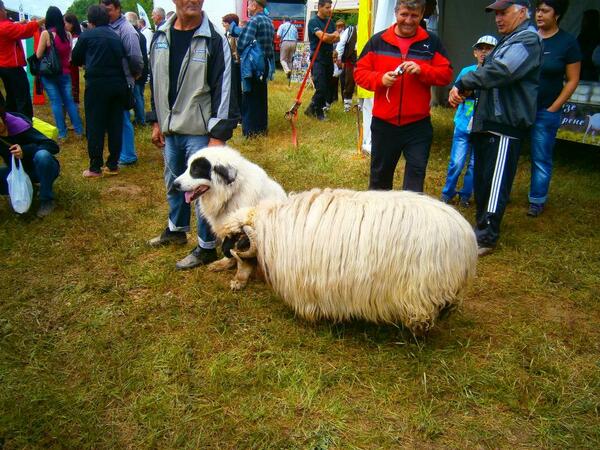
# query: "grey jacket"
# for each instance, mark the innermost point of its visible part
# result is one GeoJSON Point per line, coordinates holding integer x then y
{"type": "Point", "coordinates": [131, 43]}
{"type": "Point", "coordinates": [507, 84]}
{"type": "Point", "coordinates": [206, 101]}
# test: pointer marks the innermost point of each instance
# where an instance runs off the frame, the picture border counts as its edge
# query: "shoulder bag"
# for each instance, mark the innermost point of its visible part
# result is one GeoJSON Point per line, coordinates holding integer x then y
{"type": "Point", "coordinates": [50, 63]}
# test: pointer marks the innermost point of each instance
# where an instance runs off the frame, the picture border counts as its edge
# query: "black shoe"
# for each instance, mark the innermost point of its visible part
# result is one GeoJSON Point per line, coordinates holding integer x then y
{"type": "Point", "coordinates": [535, 209]}
{"type": "Point", "coordinates": [46, 207]}
{"type": "Point", "coordinates": [168, 237]}
{"type": "Point", "coordinates": [199, 257]}
{"type": "Point", "coordinates": [310, 112]}
{"type": "Point", "coordinates": [464, 203]}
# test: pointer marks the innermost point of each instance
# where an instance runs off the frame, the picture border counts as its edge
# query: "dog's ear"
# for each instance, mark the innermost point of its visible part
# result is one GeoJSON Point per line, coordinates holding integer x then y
{"type": "Point", "coordinates": [228, 173]}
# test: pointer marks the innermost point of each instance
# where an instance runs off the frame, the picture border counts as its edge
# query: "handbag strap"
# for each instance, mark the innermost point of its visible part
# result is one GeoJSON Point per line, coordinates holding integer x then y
{"type": "Point", "coordinates": [51, 35]}
{"type": "Point", "coordinates": [287, 31]}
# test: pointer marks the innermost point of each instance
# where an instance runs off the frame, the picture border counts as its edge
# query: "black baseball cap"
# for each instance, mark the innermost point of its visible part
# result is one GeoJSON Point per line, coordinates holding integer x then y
{"type": "Point", "coordinates": [501, 5]}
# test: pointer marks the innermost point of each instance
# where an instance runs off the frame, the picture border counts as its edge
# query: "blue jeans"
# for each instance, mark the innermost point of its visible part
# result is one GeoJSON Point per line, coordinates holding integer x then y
{"type": "Point", "coordinates": [59, 93]}
{"type": "Point", "coordinates": [178, 148]}
{"type": "Point", "coordinates": [45, 171]}
{"type": "Point", "coordinates": [128, 155]}
{"type": "Point", "coordinates": [139, 109]}
{"type": "Point", "coordinates": [543, 137]}
{"type": "Point", "coordinates": [461, 150]}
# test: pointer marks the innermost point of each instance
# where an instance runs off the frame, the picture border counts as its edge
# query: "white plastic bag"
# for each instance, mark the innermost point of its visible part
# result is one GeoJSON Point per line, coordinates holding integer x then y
{"type": "Point", "coordinates": [20, 188]}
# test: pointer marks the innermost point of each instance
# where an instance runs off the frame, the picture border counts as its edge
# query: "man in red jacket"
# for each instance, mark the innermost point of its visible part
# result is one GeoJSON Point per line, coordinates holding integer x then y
{"type": "Point", "coordinates": [400, 65]}
{"type": "Point", "coordinates": [12, 60]}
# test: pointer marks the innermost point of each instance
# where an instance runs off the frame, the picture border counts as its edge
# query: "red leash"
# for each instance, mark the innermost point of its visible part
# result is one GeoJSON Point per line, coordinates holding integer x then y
{"type": "Point", "coordinates": [292, 114]}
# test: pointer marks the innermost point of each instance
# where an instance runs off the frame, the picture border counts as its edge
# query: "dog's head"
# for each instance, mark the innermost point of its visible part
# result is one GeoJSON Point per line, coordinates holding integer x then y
{"type": "Point", "coordinates": [206, 170]}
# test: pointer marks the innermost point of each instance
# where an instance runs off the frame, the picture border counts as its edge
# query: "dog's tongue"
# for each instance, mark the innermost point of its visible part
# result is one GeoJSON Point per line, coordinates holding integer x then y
{"type": "Point", "coordinates": [188, 196]}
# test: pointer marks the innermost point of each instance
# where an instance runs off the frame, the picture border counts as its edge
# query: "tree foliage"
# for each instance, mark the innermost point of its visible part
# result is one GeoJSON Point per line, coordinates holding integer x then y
{"type": "Point", "coordinates": [79, 7]}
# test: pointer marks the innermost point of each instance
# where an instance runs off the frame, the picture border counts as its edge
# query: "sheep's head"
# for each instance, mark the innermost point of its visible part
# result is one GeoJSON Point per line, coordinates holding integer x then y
{"type": "Point", "coordinates": [242, 245]}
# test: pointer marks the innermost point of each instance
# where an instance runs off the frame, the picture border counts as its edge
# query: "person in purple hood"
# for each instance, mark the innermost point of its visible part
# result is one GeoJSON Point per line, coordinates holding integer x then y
{"type": "Point", "coordinates": [34, 150]}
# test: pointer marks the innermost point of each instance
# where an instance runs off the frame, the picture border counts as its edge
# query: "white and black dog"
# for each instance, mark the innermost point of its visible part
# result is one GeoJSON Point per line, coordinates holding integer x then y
{"type": "Point", "coordinates": [223, 181]}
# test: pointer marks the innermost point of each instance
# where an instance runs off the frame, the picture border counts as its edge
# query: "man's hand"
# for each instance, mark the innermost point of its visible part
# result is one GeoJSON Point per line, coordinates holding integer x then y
{"type": "Point", "coordinates": [158, 138]}
{"type": "Point", "coordinates": [339, 63]}
{"type": "Point", "coordinates": [411, 68]}
{"type": "Point", "coordinates": [17, 151]}
{"type": "Point", "coordinates": [389, 78]}
{"type": "Point", "coordinates": [213, 142]}
{"type": "Point", "coordinates": [454, 97]}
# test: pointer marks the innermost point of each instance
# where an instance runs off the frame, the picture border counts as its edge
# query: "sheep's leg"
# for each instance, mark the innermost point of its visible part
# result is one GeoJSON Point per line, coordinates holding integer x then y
{"type": "Point", "coordinates": [221, 265]}
{"type": "Point", "coordinates": [244, 270]}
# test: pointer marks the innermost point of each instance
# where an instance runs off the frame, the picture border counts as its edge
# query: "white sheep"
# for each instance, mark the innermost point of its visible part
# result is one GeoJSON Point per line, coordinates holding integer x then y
{"type": "Point", "coordinates": [392, 257]}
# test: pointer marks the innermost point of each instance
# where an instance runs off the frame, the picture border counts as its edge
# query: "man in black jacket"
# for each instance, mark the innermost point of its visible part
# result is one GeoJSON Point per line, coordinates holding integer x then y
{"type": "Point", "coordinates": [101, 51]}
{"type": "Point", "coordinates": [35, 151]}
{"type": "Point", "coordinates": [140, 109]}
{"type": "Point", "coordinates": [506, 85]}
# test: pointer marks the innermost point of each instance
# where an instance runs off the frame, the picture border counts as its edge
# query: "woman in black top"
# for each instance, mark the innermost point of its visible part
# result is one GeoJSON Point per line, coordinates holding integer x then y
{"type": "Point", "coordinates": [561, 64]}
{"type": "Point", "coordinates": [101, 51]}
{"type": "Point", "coordinates": [72, 26]}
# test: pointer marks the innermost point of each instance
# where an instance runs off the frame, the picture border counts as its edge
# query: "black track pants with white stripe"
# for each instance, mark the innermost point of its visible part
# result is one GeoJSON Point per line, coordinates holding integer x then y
{"type": "Point", "coordinates": [496, 159]}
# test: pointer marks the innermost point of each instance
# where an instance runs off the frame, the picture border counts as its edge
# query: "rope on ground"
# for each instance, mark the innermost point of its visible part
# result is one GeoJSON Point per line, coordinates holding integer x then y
{"type": "Point", "coordinates": [292, 113]}
{"type": "Point", "coordinates": [359, 152]}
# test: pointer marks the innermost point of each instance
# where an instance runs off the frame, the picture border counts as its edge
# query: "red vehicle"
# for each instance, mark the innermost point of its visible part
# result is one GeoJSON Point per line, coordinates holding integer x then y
{"type": "Point", "coordinates": [294, 9]}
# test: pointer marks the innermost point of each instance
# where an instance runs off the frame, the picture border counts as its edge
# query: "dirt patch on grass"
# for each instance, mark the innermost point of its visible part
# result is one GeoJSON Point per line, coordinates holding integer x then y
{"type": "Point", "coordinates": [124, 190]}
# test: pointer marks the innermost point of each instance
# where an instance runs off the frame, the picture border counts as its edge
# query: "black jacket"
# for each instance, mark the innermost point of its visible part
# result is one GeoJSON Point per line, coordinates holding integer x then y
{"type": "Point", "coordinates": [101, 51]}
{"type": "Point", "coordinates": [31, 141]}
{"type": "Point", "coordinates": [508, 84]}
{"type": "Point", "coordinates": [143, 79]}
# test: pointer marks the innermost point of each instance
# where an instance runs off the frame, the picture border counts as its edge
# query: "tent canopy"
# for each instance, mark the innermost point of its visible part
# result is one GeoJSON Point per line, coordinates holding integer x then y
{"type": "Point", "coordinates": [462, 22]}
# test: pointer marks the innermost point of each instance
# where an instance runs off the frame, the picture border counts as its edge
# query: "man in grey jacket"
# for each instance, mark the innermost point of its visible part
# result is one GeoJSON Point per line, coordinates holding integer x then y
{"type": "Point", "coordinates": [193, 106]}
{"type": "Point", "coordinates": [506, 86]}
{"type": "Point", "coordinates": [133, 69]}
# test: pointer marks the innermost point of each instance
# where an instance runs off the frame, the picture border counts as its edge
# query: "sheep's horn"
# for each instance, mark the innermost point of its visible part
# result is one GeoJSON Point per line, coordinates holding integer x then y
{"type": "Point", "coordinates": [252, 251]}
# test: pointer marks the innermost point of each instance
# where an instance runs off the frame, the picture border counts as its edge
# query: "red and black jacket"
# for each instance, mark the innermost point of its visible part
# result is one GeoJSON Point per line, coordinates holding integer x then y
{"type": "Point", "coordinates": [408, 99]}
{"type": "Point", "coordinates": [11, 50]}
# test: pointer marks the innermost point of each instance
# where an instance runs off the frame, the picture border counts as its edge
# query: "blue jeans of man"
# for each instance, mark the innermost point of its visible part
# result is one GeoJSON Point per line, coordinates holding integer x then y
{"type": "Point", "coordinates": [178, 148]}
{"type": "Point", "coordinates": [59, 93]}
{"type": "Point", "coordinates": [543, 137]}
{"type": "Point", "coordinates": [128, 155]}
{"type": "Point", "coordinates": [139, 108]}
{"type": "Point", "coordinates": [460, 153]}
{"type": "Point", "coordinates": [45, 170]}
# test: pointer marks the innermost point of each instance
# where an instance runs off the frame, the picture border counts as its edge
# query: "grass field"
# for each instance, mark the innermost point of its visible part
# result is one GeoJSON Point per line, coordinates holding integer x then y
{"type": "Point", "coordinates": [103, 344]}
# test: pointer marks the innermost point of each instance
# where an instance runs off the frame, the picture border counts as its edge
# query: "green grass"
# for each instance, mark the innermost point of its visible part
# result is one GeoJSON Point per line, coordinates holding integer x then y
{"type": "Point", "coordinates": [103, 344]}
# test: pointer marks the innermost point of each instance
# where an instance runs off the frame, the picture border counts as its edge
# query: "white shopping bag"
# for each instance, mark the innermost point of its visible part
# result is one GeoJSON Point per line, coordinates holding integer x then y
{"type": "Point", "coordinates": [20, 188]}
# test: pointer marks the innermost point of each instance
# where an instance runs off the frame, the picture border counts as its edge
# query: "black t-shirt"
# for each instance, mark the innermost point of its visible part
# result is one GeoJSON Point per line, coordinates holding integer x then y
{"type": "Point", "coordinates": [317, 24]}
{"type": "Point", "coordinates": [559, 50]}
{"type": "Point", "coordinates": [180, 44]}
